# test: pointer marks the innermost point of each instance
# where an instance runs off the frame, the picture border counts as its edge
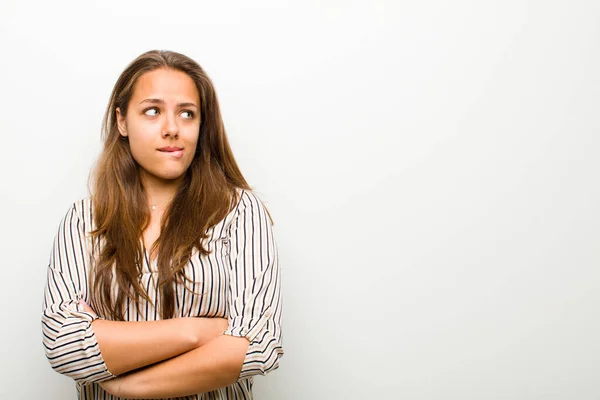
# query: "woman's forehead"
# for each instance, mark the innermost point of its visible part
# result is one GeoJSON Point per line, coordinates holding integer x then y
{"type": "Point", "coordinates": [170, 86]}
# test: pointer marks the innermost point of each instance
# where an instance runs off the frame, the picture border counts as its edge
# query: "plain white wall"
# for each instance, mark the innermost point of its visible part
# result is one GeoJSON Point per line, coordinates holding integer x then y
{"type": "Point", "coordinates": [432, 168]}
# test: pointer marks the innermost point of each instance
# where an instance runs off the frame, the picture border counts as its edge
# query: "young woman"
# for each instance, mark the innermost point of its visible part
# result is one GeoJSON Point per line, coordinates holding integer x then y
{"type": "Point", "coordinates": [164, 282]}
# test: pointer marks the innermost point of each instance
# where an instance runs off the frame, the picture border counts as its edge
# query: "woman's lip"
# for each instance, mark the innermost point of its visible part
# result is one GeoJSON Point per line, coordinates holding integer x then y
{"type": "Point", "coordinates": [175, 153]}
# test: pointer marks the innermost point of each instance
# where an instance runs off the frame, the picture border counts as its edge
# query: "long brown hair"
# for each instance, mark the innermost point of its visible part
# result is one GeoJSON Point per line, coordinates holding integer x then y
{"type": "Point", "coordinates": [120, 206]}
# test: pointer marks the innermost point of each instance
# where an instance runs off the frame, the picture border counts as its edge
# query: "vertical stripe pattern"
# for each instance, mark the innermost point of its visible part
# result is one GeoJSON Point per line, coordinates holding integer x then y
{"type": "Point", "coordinates": [239, 280]}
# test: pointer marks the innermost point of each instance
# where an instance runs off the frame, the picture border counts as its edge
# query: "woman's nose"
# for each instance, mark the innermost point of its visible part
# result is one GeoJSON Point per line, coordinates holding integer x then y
{"type": "Point", "coordinates": [171, 128]}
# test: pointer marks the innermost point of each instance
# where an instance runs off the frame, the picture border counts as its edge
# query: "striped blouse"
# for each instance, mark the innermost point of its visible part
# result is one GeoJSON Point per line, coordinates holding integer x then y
{"type": "Point", "coordinates": [239, 280]}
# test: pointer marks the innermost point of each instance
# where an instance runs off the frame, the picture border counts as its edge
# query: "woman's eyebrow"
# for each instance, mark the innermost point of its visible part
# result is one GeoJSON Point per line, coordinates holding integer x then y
{"type": "Point", "coordinates": [161, 101]}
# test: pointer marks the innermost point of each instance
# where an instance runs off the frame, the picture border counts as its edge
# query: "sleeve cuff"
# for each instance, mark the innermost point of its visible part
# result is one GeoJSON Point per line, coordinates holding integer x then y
{"type": "Point", "coordinates": [76, 309]}
{"type": "Point", "coordinates": [248, 327]}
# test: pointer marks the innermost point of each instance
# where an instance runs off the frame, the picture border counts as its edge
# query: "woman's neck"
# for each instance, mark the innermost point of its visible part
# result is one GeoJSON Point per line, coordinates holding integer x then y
{"type": "Point", "coordinates": [160, 192]}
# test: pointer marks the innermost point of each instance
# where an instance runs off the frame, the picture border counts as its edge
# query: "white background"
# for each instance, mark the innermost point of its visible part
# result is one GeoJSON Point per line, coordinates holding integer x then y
{"type": "Point", "coordinates": [432, 169]}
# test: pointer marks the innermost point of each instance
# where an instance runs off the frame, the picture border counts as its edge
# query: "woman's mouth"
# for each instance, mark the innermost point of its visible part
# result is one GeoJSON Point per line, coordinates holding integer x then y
{"type": "Point", "coordinates": [176, 152]}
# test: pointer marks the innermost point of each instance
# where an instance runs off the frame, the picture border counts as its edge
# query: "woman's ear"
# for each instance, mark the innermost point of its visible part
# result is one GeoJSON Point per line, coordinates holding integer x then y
{"type": "Point", "coordinates": [121, 123]}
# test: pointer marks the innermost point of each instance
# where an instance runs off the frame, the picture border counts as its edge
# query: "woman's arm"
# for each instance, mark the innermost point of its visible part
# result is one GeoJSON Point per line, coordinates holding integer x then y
{"type": "Point", "coordinates": [126, 346]}
{"type": "Point", "coordinates": [251, 345]}
{"type": "Point", "coordinates": [148, 342]}
{"type": "Point", "coordinates": [207, 368]}
{"type": "Point", "coordinates": [88, 349]}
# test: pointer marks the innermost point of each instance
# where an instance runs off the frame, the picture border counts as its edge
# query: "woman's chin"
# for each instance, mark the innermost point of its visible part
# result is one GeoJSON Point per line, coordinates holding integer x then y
{"type": "Point", "coordinates": [166, 176]}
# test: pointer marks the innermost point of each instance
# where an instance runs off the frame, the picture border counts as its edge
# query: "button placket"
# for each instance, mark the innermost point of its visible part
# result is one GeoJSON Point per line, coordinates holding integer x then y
{"type": "Point", "coordinates": [225, 242]}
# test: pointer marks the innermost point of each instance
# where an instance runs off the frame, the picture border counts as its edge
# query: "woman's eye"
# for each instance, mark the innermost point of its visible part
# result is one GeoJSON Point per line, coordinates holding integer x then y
{"type": "Point", "coordinates": [191, 114]}
{"type": "Point", "coordinates": [154, 111]}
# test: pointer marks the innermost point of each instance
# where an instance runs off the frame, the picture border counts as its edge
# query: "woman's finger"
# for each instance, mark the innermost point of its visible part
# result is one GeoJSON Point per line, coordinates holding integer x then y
{"type": "Point", "coordinates": [86, 307]}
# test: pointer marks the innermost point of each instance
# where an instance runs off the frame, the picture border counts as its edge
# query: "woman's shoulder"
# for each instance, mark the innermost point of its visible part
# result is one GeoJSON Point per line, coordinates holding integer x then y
{"type": "Point", "coordinates": [83, 205]}
{"type": "Point", "coordinates": [82, 208]}
{"type": "Point", "coordinates": [244, 200]}
{"type": "Point", "coordinates": [248, 198]}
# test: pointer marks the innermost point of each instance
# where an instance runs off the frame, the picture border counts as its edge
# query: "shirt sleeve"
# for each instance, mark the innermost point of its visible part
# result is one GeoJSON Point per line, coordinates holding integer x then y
{"type": "Point", "coordinates": [68, 338]}
{"type": "Point", "coordinates": [254, 295]}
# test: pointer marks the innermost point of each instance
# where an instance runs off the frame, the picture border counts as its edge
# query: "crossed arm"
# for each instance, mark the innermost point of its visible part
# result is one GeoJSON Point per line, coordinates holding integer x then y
{"type": "Point", "coordinates": [136, 359]}
{"type": "Point", "coordinates": [127, 346]}
{"type": "Point", "coordinates": [182, 356]}
{"type": "Point", "coordinates": [174, 357]}
{"type": "Point", "coordinates": [214, 365]}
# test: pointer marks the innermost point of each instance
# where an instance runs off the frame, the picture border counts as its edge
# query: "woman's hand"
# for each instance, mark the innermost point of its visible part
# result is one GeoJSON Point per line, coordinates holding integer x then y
{"type": "Point", "coordinates": [87, 308]}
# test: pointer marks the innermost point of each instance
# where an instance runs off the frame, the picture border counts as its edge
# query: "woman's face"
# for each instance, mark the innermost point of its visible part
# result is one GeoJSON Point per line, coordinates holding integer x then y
{"type": "Point", "coordinates": [162, 124]}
